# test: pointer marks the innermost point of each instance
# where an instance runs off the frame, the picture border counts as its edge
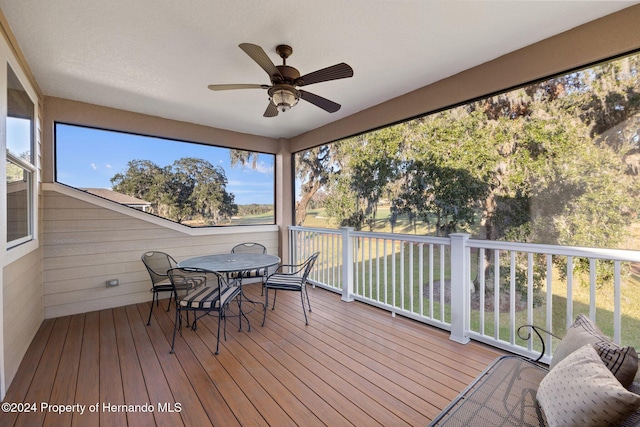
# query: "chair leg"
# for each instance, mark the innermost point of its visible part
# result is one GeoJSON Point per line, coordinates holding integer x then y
{"type": "Point", "coordinates": [306, 321]}
{"type": "Point", "coordinates": [242, 313]}
{"type": "Point", "coordinates": [225, 330]}
{"type": "Point", "coordinates": [169, 304]}
{"type": "Point", "coordinates": [153, 299]}
{"type": "Point", "coordinates": [178, 321]}
{"type": "Point", "coordinates": [308, 300]}
{"type": "Point", "coordinates": [266, 304]}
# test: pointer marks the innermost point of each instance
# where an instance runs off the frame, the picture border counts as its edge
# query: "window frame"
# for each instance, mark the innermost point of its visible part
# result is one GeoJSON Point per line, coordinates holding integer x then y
{"type": "Point", "coordinates": [29, 167]}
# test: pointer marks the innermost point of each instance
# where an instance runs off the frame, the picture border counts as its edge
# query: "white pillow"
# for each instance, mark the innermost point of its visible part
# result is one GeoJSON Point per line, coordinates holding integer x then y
{"type": "Point", "coordinates": [581, 391]}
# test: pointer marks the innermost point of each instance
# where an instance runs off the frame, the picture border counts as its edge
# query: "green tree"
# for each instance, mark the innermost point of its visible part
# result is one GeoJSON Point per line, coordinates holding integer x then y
{"type": "Point", "coordinates": [372, 163]}
{"type": "Point", "coordinates": [190, 189]}
{"type": "Point", "coordinates": [450, 195]}
{"type": "Point", "coordinates": [142, 179]}
{"type": "Point", "coordinates": [243, 158]}
{"type": "Point", "coordinates": [313, 169]}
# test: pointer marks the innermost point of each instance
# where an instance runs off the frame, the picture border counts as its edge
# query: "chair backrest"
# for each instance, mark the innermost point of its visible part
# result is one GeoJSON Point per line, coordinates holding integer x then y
{"type": "Point", "coordinates": [249, 248]}
{"type": "Point", "coordinates": [194, 278]}
{"type": "Point", "coordinates": [189, 278]}
{"type": "Point", "coordinates": [309, 263]}
{"type": "Point", "coordinates": [158, 263]}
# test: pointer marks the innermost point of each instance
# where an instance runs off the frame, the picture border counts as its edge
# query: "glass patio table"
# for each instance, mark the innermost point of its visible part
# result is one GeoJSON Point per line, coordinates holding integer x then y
{"type": "Point", "coordinates": [231, 263]}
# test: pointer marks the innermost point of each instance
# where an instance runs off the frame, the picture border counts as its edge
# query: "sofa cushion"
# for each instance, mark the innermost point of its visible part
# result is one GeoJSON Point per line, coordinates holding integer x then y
{"type": "Point", "coordinates": [621, 361]}
{"type": "Point", "coordinates": [581, 391]}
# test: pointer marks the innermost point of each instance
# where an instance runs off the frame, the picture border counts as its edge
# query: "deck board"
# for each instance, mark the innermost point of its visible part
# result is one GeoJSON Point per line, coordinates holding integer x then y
{"type": "Point", "coordinates": [354, 364]}
{"type": "Point", "coordinates": [88, 383]}
{"type": "Point", "coordinates": [67, 374]}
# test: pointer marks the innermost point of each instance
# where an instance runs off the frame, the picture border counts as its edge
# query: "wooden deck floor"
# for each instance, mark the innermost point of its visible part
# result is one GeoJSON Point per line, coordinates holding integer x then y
{"type": "Point", "coordinates": [353, 365]}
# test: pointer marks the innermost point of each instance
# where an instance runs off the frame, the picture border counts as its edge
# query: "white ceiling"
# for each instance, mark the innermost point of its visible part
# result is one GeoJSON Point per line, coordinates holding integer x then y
{"type": "Point", "coordinates": [158, 56]}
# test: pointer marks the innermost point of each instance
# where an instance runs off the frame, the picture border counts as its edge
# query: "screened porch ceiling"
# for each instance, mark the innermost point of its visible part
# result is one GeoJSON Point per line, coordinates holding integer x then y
{"type": "Point", "coordinates": [157, 58]}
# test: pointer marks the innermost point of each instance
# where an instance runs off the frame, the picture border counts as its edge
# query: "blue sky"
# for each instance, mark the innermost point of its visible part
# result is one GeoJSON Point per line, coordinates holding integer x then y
{"type": "Point", "coordinates": [89, 158]}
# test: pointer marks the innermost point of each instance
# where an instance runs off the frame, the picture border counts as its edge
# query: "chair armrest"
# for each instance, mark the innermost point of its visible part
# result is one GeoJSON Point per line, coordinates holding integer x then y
{"type": "Point", "coordinates": [296, 268]}
{"type": "Point", "coordinates": [537, 330]}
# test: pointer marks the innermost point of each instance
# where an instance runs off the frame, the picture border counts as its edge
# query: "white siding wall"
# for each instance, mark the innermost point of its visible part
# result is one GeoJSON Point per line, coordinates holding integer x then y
{"type": "Point", "coordinates": [22, 313]}
{"type": "Point", "coordinates": [87, 240]}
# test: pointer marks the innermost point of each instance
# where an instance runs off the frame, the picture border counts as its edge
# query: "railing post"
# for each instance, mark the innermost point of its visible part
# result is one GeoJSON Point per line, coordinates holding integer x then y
{"type": "Point", "coordinates": [459, 287]}
{"type": "Point", "coordinates": [347, 264]}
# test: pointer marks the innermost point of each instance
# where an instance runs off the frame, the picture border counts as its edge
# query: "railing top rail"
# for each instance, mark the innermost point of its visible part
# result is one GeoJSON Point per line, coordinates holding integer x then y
{"type": "Point", "coordinates": [404, 237]}
{"type": "Point", "coordinates": [315, 229]}
{"type": "Point", "coordinates": [575, 251]}
{"type": "Point", "coordinates": [376, 235]}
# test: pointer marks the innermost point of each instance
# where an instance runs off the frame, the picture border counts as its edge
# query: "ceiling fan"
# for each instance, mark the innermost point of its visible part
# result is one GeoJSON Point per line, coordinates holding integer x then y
{"type": "Point", "coordinates": [283, 92]}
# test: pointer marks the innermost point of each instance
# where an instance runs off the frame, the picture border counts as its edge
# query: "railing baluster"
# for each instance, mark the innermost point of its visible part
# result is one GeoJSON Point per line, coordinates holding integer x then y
{"type": "Point", "coordinates": [481, 289]}
{"type": "Point", "coordinates": [592, 288]}
{"type": "Point", "coordinates": [530, 285]}
{"type": "Point", "coordinates": [549, 323]}
{"type": "Point", "coordinates": [370, 271]}
{"type": "Point", "coordinates": [512, 297]}
{"type": "Point", "coordinates": [421, 277]}
{"type": "Point", "coordinates": [496, 294]}
{"type": "Point", "coordinates": [431, 267]}
{"type": "Point", "coordinates": [617, 315]}
{"type": "Point", "coordinates": [386, 273]}
{"type": "Point", "coordinates": [569, 318]}
{"type": "Point", "coordinates": [442, 285]}
{"type": "Point", "coordinates": [411, 308]}
{"type": "Point", "coordinates": [393, 275]}
{"type": "Point", "coordinates": [378, 270]}
{"type": "Point", "coordinates": [402, 282]}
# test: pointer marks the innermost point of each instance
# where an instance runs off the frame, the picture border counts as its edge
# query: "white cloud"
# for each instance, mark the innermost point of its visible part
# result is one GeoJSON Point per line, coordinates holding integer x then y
{"type": "Point", "coordinates": [93, 166]}
{"type": "Point", "coordinates": [264, 168]}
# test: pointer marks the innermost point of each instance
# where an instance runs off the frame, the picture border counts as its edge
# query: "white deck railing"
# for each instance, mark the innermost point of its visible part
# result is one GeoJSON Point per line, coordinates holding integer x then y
{"type": "Point", "coordinates": [449, 282]}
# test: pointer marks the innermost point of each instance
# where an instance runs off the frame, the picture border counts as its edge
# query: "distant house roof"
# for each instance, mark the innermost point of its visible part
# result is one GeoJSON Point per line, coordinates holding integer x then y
{"type": "Point", "coordinates": [123, 199]}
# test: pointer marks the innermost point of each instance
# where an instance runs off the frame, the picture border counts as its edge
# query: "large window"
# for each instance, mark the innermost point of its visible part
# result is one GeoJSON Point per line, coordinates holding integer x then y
{"type": "Point", "coordinates": [193, 184]}
{"type": "Point", "coordinates": [20, 166]}
{"type": "Point", "coordinates": [553, 162]}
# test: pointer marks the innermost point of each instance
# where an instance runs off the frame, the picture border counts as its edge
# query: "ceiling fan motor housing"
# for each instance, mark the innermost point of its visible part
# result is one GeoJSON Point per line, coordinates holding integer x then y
{"type": "Point", "coordinates": [284, 96]}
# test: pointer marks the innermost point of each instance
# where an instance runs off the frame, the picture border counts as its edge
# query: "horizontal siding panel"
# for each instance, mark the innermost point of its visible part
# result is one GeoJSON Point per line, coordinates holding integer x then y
{"type": "Point", "coordinates": [97, 293]}
{"type": "Point", "coordinates": [22, 310]}
{"type": "Point", "coordinates": [95, 282]}
{"type": "Point", "coordinates": [116, 234]}
{"type": "Point", "coordinates": [26, 305]}
{"type": "Point", "coordinates": [62, 262]}
{"type": "Point", "coordinates": [63, 202]}
{"type": "Point", "coordinates": [93, 305]}
{"type": "Point", "coordinates": [85, 225]}
{"type": "Point", "coordinates": [30, 281]}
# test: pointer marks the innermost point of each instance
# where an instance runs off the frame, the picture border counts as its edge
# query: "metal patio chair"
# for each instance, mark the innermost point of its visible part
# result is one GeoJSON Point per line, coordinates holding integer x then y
{"type": "Point", "coordinates": [290, 277]}
{"type": "Point", "coordinates": [214, 296]}
{"type": "Point", "coordinates": [158, 264]}
{"type": "Point", "coordinates": [249, 248]}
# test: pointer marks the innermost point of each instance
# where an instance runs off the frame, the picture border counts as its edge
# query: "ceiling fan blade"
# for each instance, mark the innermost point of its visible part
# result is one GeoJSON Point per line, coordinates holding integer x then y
{"type": "Point", "coordinates": [335, 72]}
{"type": "Point", "coordinates": [237, 86]}
{"type": "Point", "coordinates": [257, 54]}
{"type": "Point", "coordinates": [319, 101]}
{"type": "Point", "coordinates": [271, 110]}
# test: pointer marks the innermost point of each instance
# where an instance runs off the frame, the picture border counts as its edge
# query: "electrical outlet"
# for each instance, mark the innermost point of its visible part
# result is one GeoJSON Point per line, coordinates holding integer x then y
{"type": "Point", "coordinates": [112, 282]}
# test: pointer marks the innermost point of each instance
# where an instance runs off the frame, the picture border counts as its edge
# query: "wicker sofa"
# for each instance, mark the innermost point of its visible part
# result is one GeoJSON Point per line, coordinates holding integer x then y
{"type": "Point", "coordinates": [511, 390]}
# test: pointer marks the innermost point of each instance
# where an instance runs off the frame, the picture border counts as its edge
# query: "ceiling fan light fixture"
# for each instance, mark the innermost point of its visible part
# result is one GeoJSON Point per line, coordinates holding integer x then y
{"type": "Point", "coordinates": [284, 97]}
